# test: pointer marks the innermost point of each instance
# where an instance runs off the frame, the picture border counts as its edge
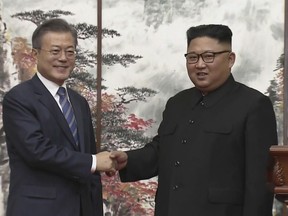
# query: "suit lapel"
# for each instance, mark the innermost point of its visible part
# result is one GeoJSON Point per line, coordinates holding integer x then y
{"type": "Point", "coordinates": [48, 101]}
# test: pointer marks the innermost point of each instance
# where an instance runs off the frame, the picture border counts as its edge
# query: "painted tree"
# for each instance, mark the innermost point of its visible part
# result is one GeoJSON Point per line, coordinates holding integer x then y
{"type": "Point", "coordinates": [124, 200]}
{"type": "Point", "coordinates": [4, 86]}
{"type": "Point", "coordinates": [276, 93]}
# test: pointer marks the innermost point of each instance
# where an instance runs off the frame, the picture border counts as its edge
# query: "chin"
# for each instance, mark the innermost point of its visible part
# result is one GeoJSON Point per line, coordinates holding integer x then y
{"type": "Point", "coordinates": [201, 85]}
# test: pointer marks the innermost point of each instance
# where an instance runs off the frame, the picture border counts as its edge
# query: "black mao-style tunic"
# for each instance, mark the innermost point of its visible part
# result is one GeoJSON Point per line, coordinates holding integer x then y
{"type": "Point", "coordinates": [210, 154]}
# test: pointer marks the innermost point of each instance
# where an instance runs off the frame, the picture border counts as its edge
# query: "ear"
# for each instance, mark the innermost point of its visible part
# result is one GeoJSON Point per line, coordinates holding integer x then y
{"type": "Point", "coordinates": [34, 52]}
{"type": "Point", "coordinates": [232, 58]}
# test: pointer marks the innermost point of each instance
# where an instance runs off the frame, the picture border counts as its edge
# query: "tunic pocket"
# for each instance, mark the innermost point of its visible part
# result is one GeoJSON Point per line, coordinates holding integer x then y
{"type": "Point", "coordinates": [223, 195]}
{"type": "Point", "coordinates": [216, 127]}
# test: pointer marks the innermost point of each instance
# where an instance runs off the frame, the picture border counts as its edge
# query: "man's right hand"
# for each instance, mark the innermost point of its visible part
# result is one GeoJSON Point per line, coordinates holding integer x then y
{"type": "Point", "coordinates": [105, 163]}
{"type": "Point", "coordinates": [120, 159]}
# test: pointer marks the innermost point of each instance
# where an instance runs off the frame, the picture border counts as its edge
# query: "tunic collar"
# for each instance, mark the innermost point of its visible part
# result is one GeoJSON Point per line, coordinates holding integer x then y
{"type": "Point", "coordinates": [213, 97]}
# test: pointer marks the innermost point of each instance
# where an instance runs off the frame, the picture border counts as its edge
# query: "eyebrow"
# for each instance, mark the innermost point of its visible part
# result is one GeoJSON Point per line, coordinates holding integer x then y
{"type": "Point", "coordinates": [193, 52]}
{"type": "Point", "coordinates": [58, 46]}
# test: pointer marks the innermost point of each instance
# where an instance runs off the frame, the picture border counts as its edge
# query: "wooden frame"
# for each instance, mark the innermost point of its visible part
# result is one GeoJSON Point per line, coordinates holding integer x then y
{"type": "Point", "coordinates": [279, 173]}
{"type": "Point", "coordinates": [285, 103]}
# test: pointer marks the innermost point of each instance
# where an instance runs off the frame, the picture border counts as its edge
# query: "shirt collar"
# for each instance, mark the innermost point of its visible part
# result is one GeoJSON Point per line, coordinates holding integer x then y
{"type": "Point", "coordinates": [51, 86]}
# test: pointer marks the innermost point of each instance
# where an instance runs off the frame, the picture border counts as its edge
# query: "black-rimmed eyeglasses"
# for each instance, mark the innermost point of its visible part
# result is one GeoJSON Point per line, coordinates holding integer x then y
{"type": "Point", "coordinates": [207, 57]}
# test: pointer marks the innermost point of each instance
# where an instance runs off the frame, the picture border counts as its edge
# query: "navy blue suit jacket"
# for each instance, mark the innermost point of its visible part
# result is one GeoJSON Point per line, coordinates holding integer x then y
{"type": "Point", "coordinates": [49, 175]}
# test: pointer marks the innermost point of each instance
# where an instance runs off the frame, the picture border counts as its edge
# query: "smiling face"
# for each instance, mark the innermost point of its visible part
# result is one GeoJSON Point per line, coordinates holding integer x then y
{"type": "Point", "coordinates": [55, 68]}
{"type": "Point", "coordinates": [209, 76]}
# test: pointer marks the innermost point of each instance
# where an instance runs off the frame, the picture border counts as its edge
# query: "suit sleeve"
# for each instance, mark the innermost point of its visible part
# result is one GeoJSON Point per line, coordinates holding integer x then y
{"type": "Point", "coordinates": [144, 163]}
{"type": "Point", "coordinates": [261, 133]}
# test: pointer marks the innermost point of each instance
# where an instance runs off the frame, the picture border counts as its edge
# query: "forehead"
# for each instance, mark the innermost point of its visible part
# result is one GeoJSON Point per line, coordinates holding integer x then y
{"type": "Point", "coordinates": [202, 44]}
{"type": "Point", "coordinates": [58, 39]}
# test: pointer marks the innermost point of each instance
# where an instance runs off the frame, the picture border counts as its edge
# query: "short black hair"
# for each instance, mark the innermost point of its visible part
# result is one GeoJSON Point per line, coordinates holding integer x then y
{"type": "Point", "coordinates": [52, 25]}
{"type": "Point", "coordinates": [216, 31]}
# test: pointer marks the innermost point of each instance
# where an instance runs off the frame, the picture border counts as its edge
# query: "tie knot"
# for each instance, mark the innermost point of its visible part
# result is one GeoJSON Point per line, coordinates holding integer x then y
{"type": "Point", "coordinates": [61, 91]}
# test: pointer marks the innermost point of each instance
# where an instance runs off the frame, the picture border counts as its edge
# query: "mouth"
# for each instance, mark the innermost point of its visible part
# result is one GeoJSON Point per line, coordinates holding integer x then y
{"type": "Point", "coordinates": [61, 69]}
{"type": "Point", "coordinates": [201, 74]}
{"type": "Point", "coordinates": [60, 66]}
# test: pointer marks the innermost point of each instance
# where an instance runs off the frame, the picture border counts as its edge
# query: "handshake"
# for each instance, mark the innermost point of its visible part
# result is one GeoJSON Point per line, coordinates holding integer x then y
{"type": "Point", "coordinates": [110, 162]}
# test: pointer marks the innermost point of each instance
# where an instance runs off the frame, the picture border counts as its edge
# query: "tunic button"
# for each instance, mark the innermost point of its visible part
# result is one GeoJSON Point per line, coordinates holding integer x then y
{"type": "Point", "coordinates": [177, 163]}
{"type": "Point", "coordinates": [191, 121]}
{"type": "Point", "coordinates": [175, 187]}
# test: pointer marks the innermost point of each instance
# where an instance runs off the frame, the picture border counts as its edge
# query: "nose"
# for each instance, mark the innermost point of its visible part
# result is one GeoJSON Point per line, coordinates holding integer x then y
{"type": "Point", "coordinates": [62, 55]}
{"type": "Point", "coordinates": [200, 63]}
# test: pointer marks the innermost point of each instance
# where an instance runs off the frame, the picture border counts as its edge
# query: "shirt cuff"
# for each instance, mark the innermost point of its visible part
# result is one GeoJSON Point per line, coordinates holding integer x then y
{"type": "Point", "coordinates": [94, 164]}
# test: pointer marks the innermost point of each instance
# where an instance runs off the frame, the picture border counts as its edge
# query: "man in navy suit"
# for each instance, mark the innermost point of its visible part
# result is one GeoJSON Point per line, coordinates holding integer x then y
{"type": "Point", "coordinates": [52, 174]}
{"type": "Point", "coordinates": [212, 148]}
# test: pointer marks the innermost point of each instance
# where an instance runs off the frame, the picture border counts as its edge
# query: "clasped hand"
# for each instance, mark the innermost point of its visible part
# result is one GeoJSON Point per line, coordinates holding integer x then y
{"type": "Point", "coordinates": [110, 162]}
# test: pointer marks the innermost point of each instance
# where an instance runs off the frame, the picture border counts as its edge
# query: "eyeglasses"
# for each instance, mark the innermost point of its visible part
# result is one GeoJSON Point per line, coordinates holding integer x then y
{"type": "Point", "coordinates": [207, 57]}
{"type": "Point", "coordinates": [56, 52]}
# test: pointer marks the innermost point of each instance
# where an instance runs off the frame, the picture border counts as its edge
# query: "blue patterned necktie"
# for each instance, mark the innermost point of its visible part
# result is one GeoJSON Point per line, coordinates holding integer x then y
{"type": "Point", "coordinates": [68, 112]}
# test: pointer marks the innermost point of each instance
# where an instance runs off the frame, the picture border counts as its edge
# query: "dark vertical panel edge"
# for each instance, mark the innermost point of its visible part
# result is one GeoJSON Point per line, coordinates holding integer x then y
{"type": "Point", "coordinates": [285, 73]}
{"type": "Point", "coordinates": [99, 76]}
